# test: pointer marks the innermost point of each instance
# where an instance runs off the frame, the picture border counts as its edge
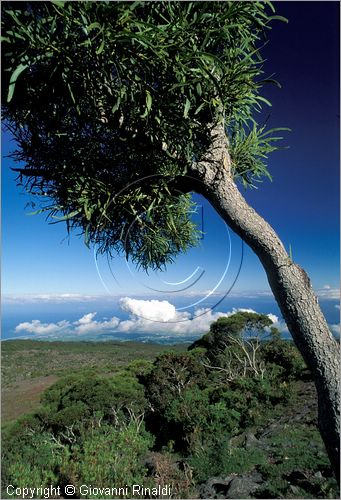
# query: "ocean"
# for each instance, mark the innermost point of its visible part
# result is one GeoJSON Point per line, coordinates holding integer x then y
{"type": "Point", "coordinates": [76, 319]}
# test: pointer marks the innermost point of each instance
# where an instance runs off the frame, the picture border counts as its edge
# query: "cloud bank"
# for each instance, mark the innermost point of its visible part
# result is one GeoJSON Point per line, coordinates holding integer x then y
{"type": "Point", "coordinates": [152, 317]}
{"type": "Point", "coordinates": [145, 316]}
{"type": "Point", "coordinates": [325, 293]}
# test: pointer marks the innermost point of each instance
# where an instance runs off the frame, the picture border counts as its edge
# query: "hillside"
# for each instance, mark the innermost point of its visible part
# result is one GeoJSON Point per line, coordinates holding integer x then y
{"type": "Point", "coordinates": [198, 418]}
{"type": "Point", "coordinates": [29, 367]}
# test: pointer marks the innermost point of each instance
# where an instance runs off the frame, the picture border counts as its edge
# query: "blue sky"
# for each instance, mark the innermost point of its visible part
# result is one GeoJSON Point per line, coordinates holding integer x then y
{"type": "Point", "coordinates": [302, 202]}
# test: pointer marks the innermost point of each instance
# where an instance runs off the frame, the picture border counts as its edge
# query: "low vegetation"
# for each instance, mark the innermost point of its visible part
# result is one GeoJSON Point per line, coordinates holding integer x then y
{"type": "Point", "coordinates": [233, 416]}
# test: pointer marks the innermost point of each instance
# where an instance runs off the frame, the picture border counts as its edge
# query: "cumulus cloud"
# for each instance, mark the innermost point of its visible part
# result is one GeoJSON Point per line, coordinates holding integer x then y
{"type": "Point", "coordinates": [153, 317]}
{"type": "Point", "coordinates": [153, 310]}
{"type": "Point", "coordinates": [181, 323]}
{"type": "Point", "coordinates": [37, 327]}
{"type": "Point", "coordinates": [335, 329]}
{"type": "Point", "coordinates": [85, 325]}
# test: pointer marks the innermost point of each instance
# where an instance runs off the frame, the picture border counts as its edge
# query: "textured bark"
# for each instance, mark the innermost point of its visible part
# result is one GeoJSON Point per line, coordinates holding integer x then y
{"type": "Point", "coordinates": [289, 284]}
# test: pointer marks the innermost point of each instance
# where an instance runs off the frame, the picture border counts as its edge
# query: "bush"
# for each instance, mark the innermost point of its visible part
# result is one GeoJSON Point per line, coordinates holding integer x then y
{"type": "Point", "coordinates": [109, 457]}
{"type": "Point", "coordinates": [84, 401]}
{"type": "Point", "coordinates": [171, 375]}
{"type": "Point", "coordinates": [293, 449]}
{"type": "Point", "coordinates": [208, 459]}
{"type": "Point", "coordinates": [234, 326]}
{"type": "Point", "coordinates": [283, 354]}
{"type": "Point", "coordinates": [217, 458]}
{"type": "Point", "coordinates": [33, 459]}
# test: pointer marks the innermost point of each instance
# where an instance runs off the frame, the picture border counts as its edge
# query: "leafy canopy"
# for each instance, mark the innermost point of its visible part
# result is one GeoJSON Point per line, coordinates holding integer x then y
{"type": "Point", "coordinates": [242, 323]}
{"type": "Point", "coordinates": [109, 102]}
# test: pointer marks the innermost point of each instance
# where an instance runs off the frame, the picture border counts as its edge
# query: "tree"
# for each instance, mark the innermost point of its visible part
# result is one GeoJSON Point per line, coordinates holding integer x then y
{"type": "Point", "coordinates": [233, 326]}
{"type": "Point", "coordinates": [121, 109]}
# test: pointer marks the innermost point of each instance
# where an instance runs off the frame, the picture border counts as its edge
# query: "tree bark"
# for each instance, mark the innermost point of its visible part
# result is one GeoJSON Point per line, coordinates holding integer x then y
{"type": "Point", "coordinates": [288, 281]}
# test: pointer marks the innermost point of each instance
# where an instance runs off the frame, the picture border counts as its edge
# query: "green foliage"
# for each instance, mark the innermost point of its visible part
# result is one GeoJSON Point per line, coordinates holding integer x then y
{"type": "Point", "coordinates": [87, 428]}
{"type": "Point", "coordinates": [249, 151]}
{"type": "Point", "coordinates": [293, 449]}
{"type": "Point", "coordinates": [26, 359]}
{"type": "Point", "coordinates": [219, 459]}
{"type": "Point", "coordinates": [110, 103]}
{"type": "Point", "coordinates": [30, 455]}
{"type": "Point", "coordinates": [209, 459]}
{"type": "Point", "coordinates": [35, 463]}
{"type": "Point", "coordinates": [190, 402]}
{"type": "Point", "coordinates": [184, 425]}
{"type": "Point", "coordinates": [80, 402]}
{"type": "Point", "coordinates": [140, 367]}
{"type": "Point", "coordinates": [109, 457]}
{"type": "Point", "coordinates": [172, 374]}
{"type": "Point", "coordinates": [242, 322]}
{"type": "Point", "coordinates": [283, 354]}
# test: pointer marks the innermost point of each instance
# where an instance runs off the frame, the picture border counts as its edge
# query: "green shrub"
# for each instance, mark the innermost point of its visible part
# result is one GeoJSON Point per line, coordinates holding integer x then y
{"type": "Point", "coordinates": [139, 367]}
{"type": "Point", "coordinates": [297, 448]}
{"type": "Point", "coordinates": [217, 458]}
{"type": "Point", "coordinates": [80, 401]}
{"type": "Point", "coordinates": [171, 375]}
{"type": "Point", "coordinates": [284, 354]}
{"type": "Point", "coordinates": [109, 457]}
{"type": "Point", "coordinates": [242, 322]}
{"type": "Point", "coordinates": [208, 459]}
{"type": "Point", "coordinates": [34, 459]}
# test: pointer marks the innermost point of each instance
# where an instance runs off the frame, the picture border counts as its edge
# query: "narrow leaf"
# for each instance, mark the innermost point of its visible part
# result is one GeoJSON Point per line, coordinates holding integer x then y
{"type": "Point", "coordinates": [100, 48]}
{"type": "Point", "coordinates": [66, 217]}
{"type": "Point", "coordinates": [148, 101]}
{"type": "Point", "coordinates": [187, 106]}
{"type": "Point", "coordinates": [58, 3]}
{"type": "Point", "coordinates": [13, 80]}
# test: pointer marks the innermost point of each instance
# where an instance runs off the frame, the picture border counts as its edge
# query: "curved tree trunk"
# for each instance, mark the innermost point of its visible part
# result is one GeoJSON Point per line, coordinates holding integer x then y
{"type": "Point", "coordinates": [288, 281]}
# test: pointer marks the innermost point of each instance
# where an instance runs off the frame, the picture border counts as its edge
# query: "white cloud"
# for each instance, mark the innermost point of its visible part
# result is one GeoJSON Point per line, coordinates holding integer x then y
{"type": "Point", "coordinates": [273, 318]}
{"type": "Point", "coordinates": [335, 329]}
{"type": "Point", "coordinates": [84, 325]}
{"type": "Point", "coordinates": [35, 326]}
{"type": "Point", "coordinates": [325, 292]}
{"type": "Point", "coordinates": [181, 323]}
{"type": "Point", "coordinates": [337, 306]}
{"type": "Point", "coordinates": [51, 298]}
{"type": "Point", "coordinates": [153, 310]}
{"type": "Point", "coordinates": [86, 319]}
{"type": "Point", "coordinates": [145, 316]}
{"type": "Point", "coordinates": [328, 293]}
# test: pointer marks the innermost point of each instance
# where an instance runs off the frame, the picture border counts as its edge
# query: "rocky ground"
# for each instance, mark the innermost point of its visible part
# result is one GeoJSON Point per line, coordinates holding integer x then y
{"type": "Point", "coordinates": [292, 461]}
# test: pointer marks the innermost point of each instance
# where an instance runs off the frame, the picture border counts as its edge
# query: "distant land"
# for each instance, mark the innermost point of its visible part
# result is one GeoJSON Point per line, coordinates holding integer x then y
{"type": "Point", "coordinates": [127, 319]}
{"type": "Point", "coordinates": [29, 367]}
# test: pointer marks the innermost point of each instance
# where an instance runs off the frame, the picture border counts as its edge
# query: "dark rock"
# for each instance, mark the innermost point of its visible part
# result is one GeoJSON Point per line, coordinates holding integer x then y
{"type": "Point", "coordinates": [297, 476]}
{"type": "Point", "coordinates": [231, 486]}
{"type": "Point", "coordinates": [251, 441]}
{"type": "Point", "coordinates": [243, 486]}
{"type": "Point", "coordinates": [270, 429]}
{"type": "Point", "coordinates": [293, 489]}
{"type": "Point", "coordinates": [215, 487]}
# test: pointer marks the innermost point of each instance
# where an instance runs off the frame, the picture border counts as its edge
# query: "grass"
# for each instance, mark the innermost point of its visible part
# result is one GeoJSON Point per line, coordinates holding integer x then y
{"type": "Point", "coordinates": [289, 455]}
{"type": "Point", "coordinates": [30, 366]}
